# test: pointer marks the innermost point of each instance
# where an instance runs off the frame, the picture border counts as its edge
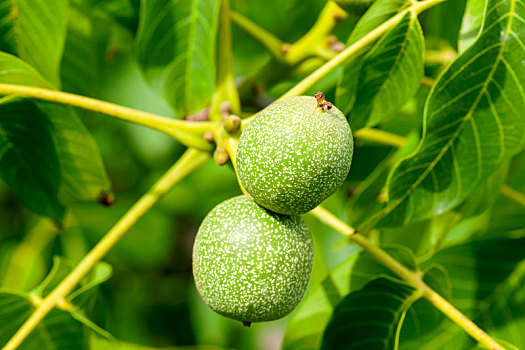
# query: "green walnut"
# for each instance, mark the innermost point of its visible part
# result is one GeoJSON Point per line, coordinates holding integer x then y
{"type": "Point", "coordinates": [249, 263]}
{"type": "Point", "coordinates": [295, 154]}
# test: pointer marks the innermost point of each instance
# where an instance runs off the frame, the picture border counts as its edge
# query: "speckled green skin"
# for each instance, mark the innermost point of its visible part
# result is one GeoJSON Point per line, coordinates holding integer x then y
{"type": "Point", "coordinates": [249, 263]}
{"type": "Point", "coordinates": [294, 155]}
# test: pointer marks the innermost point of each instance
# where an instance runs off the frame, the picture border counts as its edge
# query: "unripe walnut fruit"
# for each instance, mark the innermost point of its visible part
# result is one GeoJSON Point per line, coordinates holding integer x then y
{"type": "Point", "coordinates": [249, 263]}
{"type": "Point", "coordinates": [295, 154]}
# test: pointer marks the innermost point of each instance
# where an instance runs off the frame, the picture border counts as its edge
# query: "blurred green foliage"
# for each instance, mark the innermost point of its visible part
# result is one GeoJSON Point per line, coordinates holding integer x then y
{"type": "Point", "coordinates": [151, 299]}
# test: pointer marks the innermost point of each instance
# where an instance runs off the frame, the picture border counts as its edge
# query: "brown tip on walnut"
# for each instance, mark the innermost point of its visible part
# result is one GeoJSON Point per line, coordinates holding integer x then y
{"type": "Point", "coordinates": [285, 48]}
{"type": "Point", "coordinates": [321, 102]}
{"type": "Point", "coordinates": [319, 96]}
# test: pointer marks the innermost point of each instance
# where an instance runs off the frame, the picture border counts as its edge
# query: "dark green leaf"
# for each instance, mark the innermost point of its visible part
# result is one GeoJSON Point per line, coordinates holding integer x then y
{"type": "Point", "coordinates": [35, 31]}
{"type": "Point", "coordinates": [175, 48]}
{"type": "Point", "coordinates": [472, 124]}
{"type": "Point", "coordinates": [83, 174]}
{"type": "Point", "coordinates": [58, 330]}
{"type": "Point", "coordinates": [377, 14]}
{"type": "Point", "coordinates": [369, 318]}
{"type": "Point", "coordinates": [61, 268]}
{"type": "Point", "coordinates": [376, 85]}
{"type": "Point", "coordinates": [423, 317]}
{"type": "Point", "coordinates": [28, 161]}
{"type": "Point", "coordinates": [304, 331]}
{"type": "Point", "coordinates": [78, 172]}
{"type": "Point", "coordinates": [368, 268]}
{"type": "Point", "coordinates": [80, 63]}
{"type": "Point", "coordinates": [487, 279]}
{"type": "Point", "coordinates": [443, 22]}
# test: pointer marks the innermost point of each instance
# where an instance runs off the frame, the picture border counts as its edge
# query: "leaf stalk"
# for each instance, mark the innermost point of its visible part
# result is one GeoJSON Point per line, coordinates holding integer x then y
{"type": "Point", "coordinates": [188, 133]}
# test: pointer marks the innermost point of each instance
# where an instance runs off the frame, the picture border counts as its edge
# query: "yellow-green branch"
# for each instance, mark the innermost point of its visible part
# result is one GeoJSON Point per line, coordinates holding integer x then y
{"type": "Point", "coordinates": [314, 43]}
{"type": "Point", "coordinates": [225, 89]}
{"type": "Point", "coordinates": [270, 41]}
{"type": "Point", "coordinates": [185, 165]}
{"type": "Point", "coordinates": [411, 277]}
{"type": "Point", "coordinates": [231, 145]}
{"type": "Point", "coordinates": [516, 196]}
{"type": "Point", "coordinates": [380, 136]}
{"type": "Point", "coordinates": [352, 50]}
{"type": "Point", "coordinates": [188, 133]}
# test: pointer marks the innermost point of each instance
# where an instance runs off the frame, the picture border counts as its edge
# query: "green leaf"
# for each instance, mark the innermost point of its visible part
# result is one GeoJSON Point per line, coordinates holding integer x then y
{"type": "Point", "coordinates": [124, 12]}
{"type": "Point", "coordinates": [83, 173]}
{"type": "Point", "coordinates": [83, 48]}
{"type": "Point", "coordinates": [35, 31]}
{"type": "Point", "coordinates": [368, 268]}
{"type": "Point", "coordinates": [305, 329]}
{"type": "Point", "coordinates": [376, 85]}
{"type": "Point", "coordinates": [487, 279]}
{"type": "Point", "coordinates": [77, 173]}
{"type": "Point", "coordinates": [15, 71]}
{"type": "Point", "coordinates": [423, 317]}
{"type": "Point", "coordinates": [377, 14]}
{"type": "Point", "coordinates": [80, 295]}
{"type": "Point", "coordinates": [58, 330]}
{"type": "Point", "coordinates": [471, 24]}
{"type": "Point", "coordinates": [472, 123]}
{"type": "Point", "coordinates": [175, 49]}
{"type": "Point", "coordinates": [28, 161]}
{"type": "Point", "coordinates": [369, 318]}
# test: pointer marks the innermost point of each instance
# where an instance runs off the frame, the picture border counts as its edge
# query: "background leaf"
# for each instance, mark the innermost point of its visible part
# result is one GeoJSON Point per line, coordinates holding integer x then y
{"type": "Point", "coordinates": [77, 173]}
{"type": "Point", "coordinates": [57, 330]}
{"type": "Point", "coordinates": [376, 85]}
{"type": "Point", "coordinates": [487, 286]}
{"type": "Point", "coordinates": [368, 318]}
{"type": "Point", "coordinates": [28, 161]}
{"type": "Point", "coordinates": [472, 123]}
{"type": "Point", "coordinates": [305, 329]}
{"type": "Point", "coordinates": [35, 31]}
{"type": "Point", "coordinates": [175, 49]}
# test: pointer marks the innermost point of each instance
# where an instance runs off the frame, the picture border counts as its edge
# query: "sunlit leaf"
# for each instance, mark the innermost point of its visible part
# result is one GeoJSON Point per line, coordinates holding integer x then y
{"type": "Point", "coordinates": [175, 48]}
{"type": "Point", "coordinates": [35, 31]}
{"type": "Point", "coordinates": [473, 122]}
{"type": "Point", "coordinates": [376, 85]}
{"type": "Point", "coordinates": [471, 24]}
